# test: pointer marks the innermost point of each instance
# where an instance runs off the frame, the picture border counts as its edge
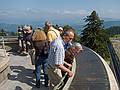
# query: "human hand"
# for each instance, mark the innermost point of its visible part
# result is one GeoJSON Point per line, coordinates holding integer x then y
{"type": "Point", "coordinates": [70, 74]}
{"type": "Point", "coordinates": [69, 66]}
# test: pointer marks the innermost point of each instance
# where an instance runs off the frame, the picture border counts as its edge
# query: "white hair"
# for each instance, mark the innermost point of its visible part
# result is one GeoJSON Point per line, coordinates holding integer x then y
{"type": "Point", "coordinates": [78, 45]}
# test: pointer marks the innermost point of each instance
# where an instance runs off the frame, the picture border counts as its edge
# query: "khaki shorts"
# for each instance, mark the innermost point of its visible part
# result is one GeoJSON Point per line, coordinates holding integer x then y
{"type": "Point", "coordinates": [54, 76]}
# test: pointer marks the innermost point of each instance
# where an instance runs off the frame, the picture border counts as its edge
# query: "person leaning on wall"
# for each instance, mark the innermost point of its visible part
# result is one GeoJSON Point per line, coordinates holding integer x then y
{"type": "Point", "coordinates": [56, 57]}
{"type": "Point", "coordinates": [70, 54]}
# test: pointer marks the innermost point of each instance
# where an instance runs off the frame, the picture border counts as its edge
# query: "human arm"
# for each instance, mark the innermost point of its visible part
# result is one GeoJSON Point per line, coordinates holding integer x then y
{"type": "Point", "coordinates": [63, 68]}
{"type": "Point", "coordinates": [59, 61]}
{"type": "Point", "coordinates": [67, 64]}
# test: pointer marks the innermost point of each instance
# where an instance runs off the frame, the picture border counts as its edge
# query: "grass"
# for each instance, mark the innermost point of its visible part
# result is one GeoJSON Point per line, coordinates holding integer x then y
{"type": "Point", "coordinates": [116, 36]}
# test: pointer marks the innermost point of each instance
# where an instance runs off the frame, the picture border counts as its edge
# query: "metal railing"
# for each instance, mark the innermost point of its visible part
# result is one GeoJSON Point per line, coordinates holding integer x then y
{"type": "Point", "coordinates": [114, 62]}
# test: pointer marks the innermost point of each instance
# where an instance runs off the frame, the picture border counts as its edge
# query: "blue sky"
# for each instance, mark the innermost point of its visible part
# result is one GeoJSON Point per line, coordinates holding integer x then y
{"type": "Point", "coordinates": [18, 11]}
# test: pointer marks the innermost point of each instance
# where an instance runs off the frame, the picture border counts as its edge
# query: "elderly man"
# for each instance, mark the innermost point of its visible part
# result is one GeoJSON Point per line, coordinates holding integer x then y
{"type": "Point", "coordinates": [52, 33]}
{"type": "Point", "coordinates": [72, 51]}
{"type": "Point", "coordinates": [70, 54]}
{"type": "Point", "coordinates": [57, 55]}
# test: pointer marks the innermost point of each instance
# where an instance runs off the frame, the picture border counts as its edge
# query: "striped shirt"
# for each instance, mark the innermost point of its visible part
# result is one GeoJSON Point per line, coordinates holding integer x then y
{"type": "Point", "coordinates": [56, 53]}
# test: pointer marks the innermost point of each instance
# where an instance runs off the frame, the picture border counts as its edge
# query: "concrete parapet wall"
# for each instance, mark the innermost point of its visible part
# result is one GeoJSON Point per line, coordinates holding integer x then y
{"type": "Point", "coordinates": [113, 82]}
{"type": "Point", "coordinates": [91, 73]}
{"type": "Point", "coordinates": [4, 68]}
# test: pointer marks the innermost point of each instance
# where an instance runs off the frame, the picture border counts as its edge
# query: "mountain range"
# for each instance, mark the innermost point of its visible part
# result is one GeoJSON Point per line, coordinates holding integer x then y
{"type": "Point", "coordinates": [76, 26]}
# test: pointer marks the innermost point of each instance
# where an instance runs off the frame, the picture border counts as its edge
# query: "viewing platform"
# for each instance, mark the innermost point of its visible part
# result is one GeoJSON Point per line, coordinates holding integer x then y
{"type": "Point", "coordinates": [91, 72]}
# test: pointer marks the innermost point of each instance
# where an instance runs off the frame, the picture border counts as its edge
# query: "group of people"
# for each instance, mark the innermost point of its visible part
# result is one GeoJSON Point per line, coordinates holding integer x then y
{"type": "Point", "coordinates": [24, 38]}
{"type": "Point", "coordinates": [54, 52]}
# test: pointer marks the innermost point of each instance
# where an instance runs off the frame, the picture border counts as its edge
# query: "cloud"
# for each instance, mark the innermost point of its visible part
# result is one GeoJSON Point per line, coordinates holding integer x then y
{"type": "Point", "coordinates": [37, 14]}
{"type": "Point", "coordinates": [29, 12]}
{"type": "Point", "coordinates": [2, 13]}
{"type": "Point", "coordinates": [72, 13]}
{"type": "Point", "coordinates": [79, 12]}
{"type": "Point", "coordinates": [112, 14]}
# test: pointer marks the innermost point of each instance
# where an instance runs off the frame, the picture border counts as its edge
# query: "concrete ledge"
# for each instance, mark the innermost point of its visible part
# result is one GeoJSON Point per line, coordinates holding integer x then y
{"type": "Point", "coordinates": [91, 73]}
{"type": "Point", "coordinates": [68, 83]}
{"type": "Point", "coordinates": [112, 80]}
{"type": "Point", "coordinates": [4, 68]}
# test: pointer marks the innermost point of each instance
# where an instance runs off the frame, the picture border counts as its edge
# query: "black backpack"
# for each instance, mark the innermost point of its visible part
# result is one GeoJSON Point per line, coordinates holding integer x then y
{"type": "Point", "coordinates": [45, 50]}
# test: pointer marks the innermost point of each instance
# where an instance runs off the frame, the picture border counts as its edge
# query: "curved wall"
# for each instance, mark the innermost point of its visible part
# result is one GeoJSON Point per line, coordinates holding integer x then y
{"type": "Point", "coordinates": [92, 73]}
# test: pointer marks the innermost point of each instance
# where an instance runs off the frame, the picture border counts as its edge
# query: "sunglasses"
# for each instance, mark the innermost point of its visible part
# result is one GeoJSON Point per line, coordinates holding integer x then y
{"type": "Point", "coordinates": [70, 38]}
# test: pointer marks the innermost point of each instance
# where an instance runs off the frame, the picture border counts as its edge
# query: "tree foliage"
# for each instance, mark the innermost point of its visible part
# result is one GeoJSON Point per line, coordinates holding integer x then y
{"type": "Point", "coordinates": [93, 35]}
{"type": "Point", "coordinates": [114, 30]}
{"type": "Point", "coordinates": [7, 33]}
{"type": "Point", "coordinates": [2, 32]}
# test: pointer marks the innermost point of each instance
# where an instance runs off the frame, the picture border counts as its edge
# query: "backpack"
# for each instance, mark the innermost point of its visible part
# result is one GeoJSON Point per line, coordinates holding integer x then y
{"type": "Point", "coordinates": [29, 37]}
{"type": "Point", "coordinates": [45, 50]}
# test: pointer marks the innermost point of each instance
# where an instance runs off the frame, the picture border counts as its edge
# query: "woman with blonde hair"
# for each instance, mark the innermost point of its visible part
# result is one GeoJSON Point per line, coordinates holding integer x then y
{"type": "Point", "coordinates": [40, 44]}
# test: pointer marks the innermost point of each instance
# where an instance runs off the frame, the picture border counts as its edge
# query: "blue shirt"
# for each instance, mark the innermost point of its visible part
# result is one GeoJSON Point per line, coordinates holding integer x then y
{"type": "Point", "coordinates": [67, 45]}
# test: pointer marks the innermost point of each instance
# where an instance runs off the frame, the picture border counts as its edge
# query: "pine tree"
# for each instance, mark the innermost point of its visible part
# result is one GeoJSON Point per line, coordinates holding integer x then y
{"type": "Point", "coordinates": [93, 35]}
{"type": "Point", "coordinates": [2, 32]}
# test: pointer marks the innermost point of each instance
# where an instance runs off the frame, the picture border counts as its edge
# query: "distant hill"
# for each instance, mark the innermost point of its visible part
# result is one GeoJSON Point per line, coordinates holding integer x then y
{"type": "Point", "coordinates": [76, 26]}
{"type": "Point", "coordinates": [8, 27]}
{"type": "Point", "coordinates": [108, 24]}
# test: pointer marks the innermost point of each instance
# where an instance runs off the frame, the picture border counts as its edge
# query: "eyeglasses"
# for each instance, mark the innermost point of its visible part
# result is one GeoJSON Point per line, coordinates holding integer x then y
{"type": "Point", "coordinates": [70, 38]}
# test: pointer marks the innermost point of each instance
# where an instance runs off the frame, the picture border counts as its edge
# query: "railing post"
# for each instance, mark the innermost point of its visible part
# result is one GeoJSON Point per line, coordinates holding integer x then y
{"type": "Point", "coordinates": [3, 46]}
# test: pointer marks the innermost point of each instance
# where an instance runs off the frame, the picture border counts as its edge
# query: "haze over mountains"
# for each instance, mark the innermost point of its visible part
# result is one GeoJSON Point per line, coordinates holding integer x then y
{"type": "Point", "coordinates": [75, 23]}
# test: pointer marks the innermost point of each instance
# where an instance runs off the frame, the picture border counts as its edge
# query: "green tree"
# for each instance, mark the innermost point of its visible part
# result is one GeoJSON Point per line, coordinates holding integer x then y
{"type": "Point", "coordinates": [93, 35]}
{"type": "Point", "coordinates": [2, 32]}
{"type": "Point", "coordinates": [114, 30]}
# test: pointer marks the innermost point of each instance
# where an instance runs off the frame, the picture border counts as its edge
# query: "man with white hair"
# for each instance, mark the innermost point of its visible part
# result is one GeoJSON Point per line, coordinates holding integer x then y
{"type": "Point", "coordinates": [70, 54]}
{"type": "Point", "coordinates": [72, 51]}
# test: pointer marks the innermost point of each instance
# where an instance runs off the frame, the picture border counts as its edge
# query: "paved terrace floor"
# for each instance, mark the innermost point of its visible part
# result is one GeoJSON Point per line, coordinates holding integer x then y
{"type": "Point", "coordinates": [21, 76]}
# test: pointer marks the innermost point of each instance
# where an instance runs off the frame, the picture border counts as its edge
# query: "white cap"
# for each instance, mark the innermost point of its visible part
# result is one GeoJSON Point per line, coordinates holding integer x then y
{"type": "Point", "coordinates": [26, 27]}
{"type": "Point", "coordinates": [60, 28]}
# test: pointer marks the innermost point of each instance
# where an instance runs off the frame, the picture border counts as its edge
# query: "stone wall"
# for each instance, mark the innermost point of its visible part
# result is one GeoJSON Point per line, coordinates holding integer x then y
{"type": "Point", "coordinates": [4, 66]}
